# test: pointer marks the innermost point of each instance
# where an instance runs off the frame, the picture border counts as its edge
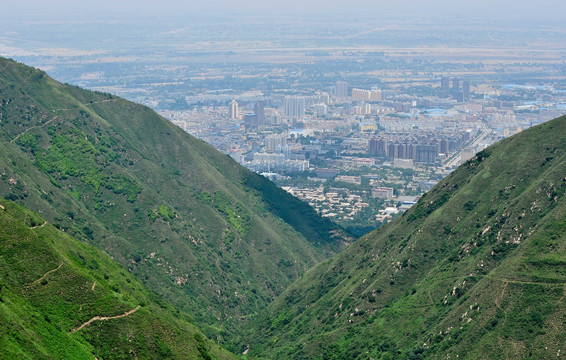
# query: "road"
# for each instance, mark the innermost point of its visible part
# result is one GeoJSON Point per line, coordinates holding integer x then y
{"type": "Point", "coordinates": [455, 159]}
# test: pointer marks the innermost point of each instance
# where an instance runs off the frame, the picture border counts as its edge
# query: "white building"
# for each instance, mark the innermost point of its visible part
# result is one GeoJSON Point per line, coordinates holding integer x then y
{"type": "Point", "coordinates": [266, 157]}
{"type": "Point", "coordinates": [275, 142]}
{"type": "Point", "coordinates": [375, 95]}
{"type": "Point", "coordinates": [320, 110]}
{"type": "Point", "coordinates": [403, 163]}
{"type": "Point", "coordinates": [361, 94]}
{"type": "Point", "coordinates": [294, 106]}
{"type": "Point", "coordinates": [341, 89]}
{"type": "Point", "coordinates": [382, 192]}
{"type": "Point", "coordinates": [233, 110]}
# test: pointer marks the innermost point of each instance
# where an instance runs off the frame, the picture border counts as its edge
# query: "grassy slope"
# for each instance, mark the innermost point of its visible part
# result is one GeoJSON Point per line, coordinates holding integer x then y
{"type": "Point", "coordinates": [50, 284]}
{"type": "Point", "coordinates": [197, 228]}
{"type": "Point", "coordinates": [476, 269]}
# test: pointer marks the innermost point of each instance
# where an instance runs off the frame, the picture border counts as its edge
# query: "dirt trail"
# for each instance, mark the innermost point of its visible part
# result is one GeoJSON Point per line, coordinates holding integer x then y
{"type": "Point", "coordinates": [39, 226]}
{"type": "Point", "coordinates": [104, 318]}
{"type": "Point", "coordinates": [47, 273]}
{"type": "Point", "coordinates": [55, 117]}
{"type": "Point", "coordinates": [4, 68]}
{"type": "Point", "coordinates": [84, 105]}
{"type": "Point", "coordinates": [33, 127]}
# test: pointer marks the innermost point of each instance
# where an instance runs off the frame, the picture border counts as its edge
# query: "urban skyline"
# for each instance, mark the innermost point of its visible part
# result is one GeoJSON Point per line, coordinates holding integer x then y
{"type": "Point", "coordinates": [364, 101]}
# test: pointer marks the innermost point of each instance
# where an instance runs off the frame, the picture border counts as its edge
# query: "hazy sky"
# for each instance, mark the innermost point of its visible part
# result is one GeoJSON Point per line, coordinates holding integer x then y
{"type": "Point", "coordinates": [553, 9]}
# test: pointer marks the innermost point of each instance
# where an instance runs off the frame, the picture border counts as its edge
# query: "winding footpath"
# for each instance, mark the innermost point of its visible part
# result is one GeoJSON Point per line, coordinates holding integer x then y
{"type": "Point", "coordinates": [81, 106]}
{"type": "Point", "coordinates": [104, 318]}
{"type": "Point", "coordinates": [47, 273]}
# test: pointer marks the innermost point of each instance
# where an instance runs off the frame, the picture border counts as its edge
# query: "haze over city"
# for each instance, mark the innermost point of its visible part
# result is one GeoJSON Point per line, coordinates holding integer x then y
{"type": "Point", "coordinates": [548, 9]}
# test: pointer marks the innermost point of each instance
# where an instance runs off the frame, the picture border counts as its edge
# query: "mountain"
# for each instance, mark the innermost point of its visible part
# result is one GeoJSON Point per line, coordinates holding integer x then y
{"type": "Point", "coordinates": [211, 237]}
{"type": "Point", "coordinates": [63, 299]}
{"type": "Point", "coordinates": [475, 270]}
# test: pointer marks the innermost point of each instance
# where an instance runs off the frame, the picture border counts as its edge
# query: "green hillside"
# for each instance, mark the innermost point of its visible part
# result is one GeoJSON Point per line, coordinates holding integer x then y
{"type": "Point", "coordinates": [62, 299]}
{"type": "Point", "coordinates": [475, 270]}
{"type": "Point", "coordinates": [211, 237]}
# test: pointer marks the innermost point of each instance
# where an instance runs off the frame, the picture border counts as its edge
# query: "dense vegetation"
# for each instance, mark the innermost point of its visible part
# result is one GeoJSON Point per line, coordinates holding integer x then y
{"type": "Point", "coordinates": [476, 269]}
{"type": "Point", "coordinates": [63, 299]}
{"type": "Point", "coordinates": [211, 237]}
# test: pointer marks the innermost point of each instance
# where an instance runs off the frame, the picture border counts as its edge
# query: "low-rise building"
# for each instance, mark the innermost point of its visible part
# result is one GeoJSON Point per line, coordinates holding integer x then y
{"type": "Point", "coordinates": [382, 192]}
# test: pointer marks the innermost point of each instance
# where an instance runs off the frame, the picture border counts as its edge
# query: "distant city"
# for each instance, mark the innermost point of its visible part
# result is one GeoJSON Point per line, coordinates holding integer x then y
{"type": "Point", "coordinates": [359, 127]}
{"type": "Point", "coordinates": [389, 146]}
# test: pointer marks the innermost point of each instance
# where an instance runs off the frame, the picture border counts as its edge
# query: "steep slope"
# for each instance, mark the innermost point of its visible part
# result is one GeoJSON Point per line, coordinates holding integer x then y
{"type": "Point", "coordinates": [211, 237]}
{"type": "Point", "coordinates": [61, 299]}
{"type": "Point", "coordinates": [476, 269]}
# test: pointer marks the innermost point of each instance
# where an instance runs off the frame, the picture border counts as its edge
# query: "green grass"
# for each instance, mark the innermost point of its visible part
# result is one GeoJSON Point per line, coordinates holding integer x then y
{"type": "Point", "coordinates": [51, 284]}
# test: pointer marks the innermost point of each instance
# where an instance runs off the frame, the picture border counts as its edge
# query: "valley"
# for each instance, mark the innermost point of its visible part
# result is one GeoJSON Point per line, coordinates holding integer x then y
{"type": "Point", "coordinates": [313, 180]}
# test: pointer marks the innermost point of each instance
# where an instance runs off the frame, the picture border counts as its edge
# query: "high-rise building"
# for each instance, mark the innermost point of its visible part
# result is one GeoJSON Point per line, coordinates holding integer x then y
{"type": "Point", "coordinates": [250, 121]}
{"type": "Point", "coordinates": [341, 89]}
{"type": "Point", "coordinates": [378, 147]}
{"type": "Point", "coordinates": [375, 94]}
{"type": "Point", "coordinates": [294, 106]}
{"type": "Point", "coordinates": [444, 146]}
{"type": "Point", "coordinates": [391, 150]}
{"type": "Point", "coordinates": [400, 151]}
{"type": "Point", "coordinates": [455, 84]}
{"type": "Point", "coordinates": [320, 110]}
{"type": "Point", "coordinates": [459, 96]}
{"type": "Point", "coordinates": [259, 110]}
{"type": "Point", "coordinates": [466, 89]}
{"type": "Point", "coordinates": [233, 111]}
{"type": "Point", "coordinates": [361, 94]}
{"type": "Point", "coordinates": [466, 154]}
{"type": "Point", "coordinates": [275, 142]}
{"type": "Point", "coordinates": [411, 151]}
{"type": "Point", "coordinates": [427, 153]}
{"type": "Point", "coordinates": [275, 118]}
{"type": "Point", "coordinates": [444, 86]}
